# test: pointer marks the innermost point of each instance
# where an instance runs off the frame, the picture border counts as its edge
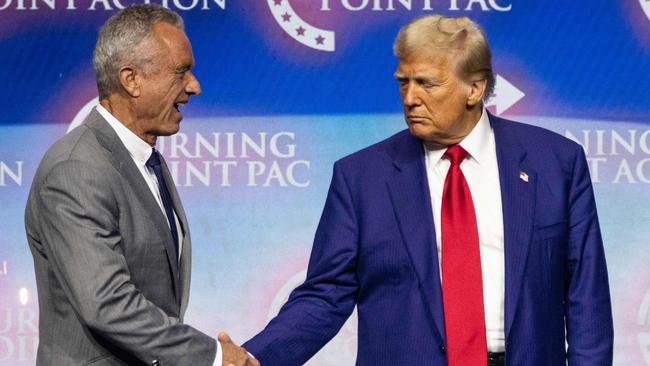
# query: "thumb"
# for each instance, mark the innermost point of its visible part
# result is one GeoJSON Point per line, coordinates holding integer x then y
{"type": "Point", "coordinates": [223, 337]}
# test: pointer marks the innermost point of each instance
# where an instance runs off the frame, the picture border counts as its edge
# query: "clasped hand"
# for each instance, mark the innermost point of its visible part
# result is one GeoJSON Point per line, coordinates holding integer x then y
{"type": "Point", "coordinates": [234, 355]}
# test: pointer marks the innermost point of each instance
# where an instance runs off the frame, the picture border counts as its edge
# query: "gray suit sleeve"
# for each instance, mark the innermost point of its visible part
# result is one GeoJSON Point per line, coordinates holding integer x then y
{"type": "Point", "coordinates": [79, 224]}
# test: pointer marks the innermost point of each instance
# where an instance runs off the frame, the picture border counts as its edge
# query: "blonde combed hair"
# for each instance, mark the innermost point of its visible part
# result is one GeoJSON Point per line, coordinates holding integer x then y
{"type": "Point", "coordinates": [460, 37]}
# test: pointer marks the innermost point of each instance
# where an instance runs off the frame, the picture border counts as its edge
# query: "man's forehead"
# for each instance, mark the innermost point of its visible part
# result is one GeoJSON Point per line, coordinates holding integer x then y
{"type": "Point", "coordinates": [173, 42]}
{"type": "Point", "coordinates": [424, 63]}
{"type": "Point", "coordinates": [170, 35]}
{"type": "Point", "coordinates": [162, 27]}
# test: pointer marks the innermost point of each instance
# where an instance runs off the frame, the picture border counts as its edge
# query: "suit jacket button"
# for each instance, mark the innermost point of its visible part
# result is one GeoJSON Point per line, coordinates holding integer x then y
{"type": "Point", "coordinates": [443, 349]}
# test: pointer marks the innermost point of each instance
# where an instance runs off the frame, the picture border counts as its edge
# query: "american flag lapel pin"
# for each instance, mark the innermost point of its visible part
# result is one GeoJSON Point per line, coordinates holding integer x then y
{"type": "Point", "coordinates": [523, 176]}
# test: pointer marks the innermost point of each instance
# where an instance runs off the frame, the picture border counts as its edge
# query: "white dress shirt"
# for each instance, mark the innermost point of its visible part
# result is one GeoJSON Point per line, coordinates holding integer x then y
{"type": "Point", "coordinates": [482, 174]}
{"type": "Point", "coordinates": [140, 152]}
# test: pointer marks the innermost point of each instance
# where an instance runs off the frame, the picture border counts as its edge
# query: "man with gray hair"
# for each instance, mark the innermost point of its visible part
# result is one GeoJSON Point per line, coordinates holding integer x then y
{"type": "Point", "coordinates": [466, 240]}
{"type": "Point", "coordinates": [105, 225]}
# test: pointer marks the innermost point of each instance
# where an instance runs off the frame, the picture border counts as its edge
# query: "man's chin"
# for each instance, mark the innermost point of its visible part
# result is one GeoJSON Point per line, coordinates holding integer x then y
{"type": "Point", "coordinates": [170, 129]}
{"type": "Point", "coordinates": [430, 138]}
{"type": "Point", "coordinates": [420, 131]}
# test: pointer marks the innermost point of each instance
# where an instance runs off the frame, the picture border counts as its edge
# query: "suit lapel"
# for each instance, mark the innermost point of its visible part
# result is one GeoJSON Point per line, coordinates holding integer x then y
{"type": "Point", "coordinates": [123, 162]}
{"type": "Point", "coordinates": [518, 201]}
{"type": "Point", "coordinates": [409, 192]}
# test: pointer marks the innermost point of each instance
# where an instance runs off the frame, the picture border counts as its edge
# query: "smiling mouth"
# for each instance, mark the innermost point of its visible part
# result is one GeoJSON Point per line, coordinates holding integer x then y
{"type": "Point", "coordinates": [178, 105]}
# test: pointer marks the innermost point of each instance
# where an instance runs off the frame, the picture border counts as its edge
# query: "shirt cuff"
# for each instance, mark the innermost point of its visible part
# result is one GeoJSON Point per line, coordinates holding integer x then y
{"type": "Point", "coordinates": [219, 359]}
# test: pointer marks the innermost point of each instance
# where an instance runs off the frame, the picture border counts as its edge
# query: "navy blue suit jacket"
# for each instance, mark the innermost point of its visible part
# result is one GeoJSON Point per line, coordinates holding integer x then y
{"type": "Point", "coordinates": [375, 248]}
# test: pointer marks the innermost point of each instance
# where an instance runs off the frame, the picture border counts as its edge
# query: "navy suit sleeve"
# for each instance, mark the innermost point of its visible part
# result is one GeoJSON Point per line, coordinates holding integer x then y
{"type": "Point", "coordinates": [588, 307]}
{"type": "Point", "coordinates": [318, 308]}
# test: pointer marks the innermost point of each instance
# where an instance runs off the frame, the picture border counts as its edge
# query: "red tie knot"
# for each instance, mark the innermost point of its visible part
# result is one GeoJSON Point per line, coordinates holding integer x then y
{"type": "Point", "coordinates": [456, 154]}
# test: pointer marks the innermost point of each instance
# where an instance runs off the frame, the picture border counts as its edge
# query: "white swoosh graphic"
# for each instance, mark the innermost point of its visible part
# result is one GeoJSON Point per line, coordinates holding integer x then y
{"type": "Point", "coordinates": [82, 114]}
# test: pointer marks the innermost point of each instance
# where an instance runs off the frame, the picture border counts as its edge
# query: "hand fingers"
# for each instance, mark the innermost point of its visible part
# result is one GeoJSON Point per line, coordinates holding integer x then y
{"type": "Point", "coordinates": [223, 337]}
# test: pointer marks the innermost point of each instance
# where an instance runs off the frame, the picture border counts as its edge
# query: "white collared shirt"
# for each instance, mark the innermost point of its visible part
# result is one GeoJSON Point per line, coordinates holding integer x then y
{"type": "Point", "coordinates": [140, 152]}
{"type": "Point", "coordinates": [482, 174]}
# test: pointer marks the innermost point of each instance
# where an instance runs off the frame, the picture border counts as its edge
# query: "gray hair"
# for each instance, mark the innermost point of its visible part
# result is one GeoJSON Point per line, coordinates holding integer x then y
{"type": "Point", "coordinates": [119, 39]}
{"type": "Point", "coordinates": [459, 36]}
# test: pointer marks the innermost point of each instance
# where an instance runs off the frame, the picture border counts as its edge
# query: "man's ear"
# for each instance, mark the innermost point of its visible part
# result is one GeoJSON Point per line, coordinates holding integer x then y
{"type": "Point", "coordinates": [130, 79]}
{"type": "Point", "coordinates": [475, 92]}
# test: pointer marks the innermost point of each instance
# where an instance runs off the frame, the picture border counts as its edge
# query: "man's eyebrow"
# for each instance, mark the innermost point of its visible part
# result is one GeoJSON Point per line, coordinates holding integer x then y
{"type": "Point", "coordinates": [419, 77]}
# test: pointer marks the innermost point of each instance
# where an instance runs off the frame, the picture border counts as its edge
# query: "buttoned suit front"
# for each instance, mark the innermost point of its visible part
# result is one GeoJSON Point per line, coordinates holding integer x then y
{"type": "Point", "coordinates": [111, 290]}
{"type": "Point", "coordinates": [375, 248]}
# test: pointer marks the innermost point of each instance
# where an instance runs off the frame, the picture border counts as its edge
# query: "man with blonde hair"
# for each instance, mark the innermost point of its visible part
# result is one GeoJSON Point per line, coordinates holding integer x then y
{"type": "Point", "coordinates": [466, 240]}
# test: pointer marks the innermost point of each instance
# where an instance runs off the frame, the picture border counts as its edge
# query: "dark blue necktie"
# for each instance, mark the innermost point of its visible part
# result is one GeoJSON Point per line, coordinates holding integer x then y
{"type": "Point", "coordinates": [154, 163]}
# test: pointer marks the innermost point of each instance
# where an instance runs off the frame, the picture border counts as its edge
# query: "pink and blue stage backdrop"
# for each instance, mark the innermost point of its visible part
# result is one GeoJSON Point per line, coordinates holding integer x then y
{"type": "Point", "coordinates": [290, 86]}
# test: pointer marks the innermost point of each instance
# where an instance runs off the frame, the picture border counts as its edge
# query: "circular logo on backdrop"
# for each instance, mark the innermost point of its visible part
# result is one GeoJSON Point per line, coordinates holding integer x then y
{"type": "Point", "coordinates": [300, 30]}
{"type": "Point", "coordinates": [643, 320]}
{"type": "Point", "coordinates": [645, 5]}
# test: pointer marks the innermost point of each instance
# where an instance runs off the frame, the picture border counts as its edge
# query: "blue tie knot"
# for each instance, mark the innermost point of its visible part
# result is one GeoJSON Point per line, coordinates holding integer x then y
{"type": "Point", "coordinates": [154, 160]}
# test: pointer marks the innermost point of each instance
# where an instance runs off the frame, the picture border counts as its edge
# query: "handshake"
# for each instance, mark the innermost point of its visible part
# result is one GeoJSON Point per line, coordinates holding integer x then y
{"type": "Point", "coordinates": [234, 355]}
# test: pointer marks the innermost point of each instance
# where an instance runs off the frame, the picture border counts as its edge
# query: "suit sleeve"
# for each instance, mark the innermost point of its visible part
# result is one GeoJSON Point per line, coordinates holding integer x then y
{"type": "Point", "coordinates": [318, 308]}
{"type": "Point", "coordinates": [79, 226]}
{"type": "Point", "coordinates": [588, 306]}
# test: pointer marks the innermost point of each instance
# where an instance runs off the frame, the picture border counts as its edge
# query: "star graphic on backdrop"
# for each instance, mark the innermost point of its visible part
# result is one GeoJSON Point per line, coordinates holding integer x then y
{"type": "Point", "coordinates": [300, 30]}
{"type": "Point", "coordinates": [286, 17]}
{"type": "Point", "coordinates": [320, 39]}
{"type": "Point", "coordinates": [277, 2]}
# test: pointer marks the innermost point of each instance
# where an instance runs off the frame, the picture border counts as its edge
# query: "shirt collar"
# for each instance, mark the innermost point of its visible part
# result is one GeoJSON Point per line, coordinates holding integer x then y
{"type": "Point", "coordinates": [477, 143]}
{"type": "Point", "coordinates": [137, 147]}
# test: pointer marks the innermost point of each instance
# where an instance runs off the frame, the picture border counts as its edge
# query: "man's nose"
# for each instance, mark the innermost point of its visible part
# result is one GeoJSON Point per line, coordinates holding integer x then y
{"type": "Point", "coordinates": [410, 97]}
{"type": "Point", "coordinates": [193, 86]}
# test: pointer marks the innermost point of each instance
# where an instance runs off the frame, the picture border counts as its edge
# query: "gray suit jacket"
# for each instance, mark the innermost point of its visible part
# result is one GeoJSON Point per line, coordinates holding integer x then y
{"type": "Point", "coordinates": [110, 290]}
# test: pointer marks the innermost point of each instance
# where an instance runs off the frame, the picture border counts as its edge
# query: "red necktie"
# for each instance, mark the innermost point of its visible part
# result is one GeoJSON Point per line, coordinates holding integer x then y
{"type": "Point", "coordinates": [462, 284]}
